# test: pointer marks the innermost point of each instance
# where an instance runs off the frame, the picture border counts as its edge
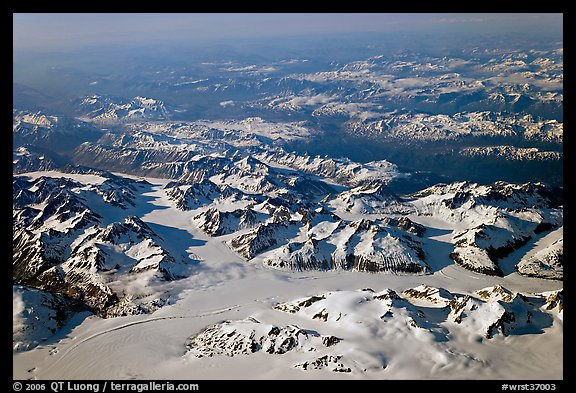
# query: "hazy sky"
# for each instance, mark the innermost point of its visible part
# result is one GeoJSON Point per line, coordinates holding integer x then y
{"type": "Point", "coordinates": [53, 31]}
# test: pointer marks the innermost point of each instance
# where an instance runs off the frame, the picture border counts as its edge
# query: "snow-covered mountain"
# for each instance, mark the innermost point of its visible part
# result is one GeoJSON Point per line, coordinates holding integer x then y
{"type": "Point", "coordinates": [47, 132]}
{"type": "Point", "coordinates": [202, 193]}
{"type": "Point", "coordinates": [245, 337]}
{"type": "Point", "coordinates": [545, 263]}
{"type": "Point", "coordinates": [463, 81]}
{"type": "Point", "coordinates": [371, 207]}
{"type": "Point", "coordinates": [70, 239]}
{"type": "Point", "coordinates": [361, 245]}
{"type": "Point", "coordinates": [512, 153]}
{"type": "Point", "coordinates": [217, 223]}
{"type": "Point", "coordinates": [67, 239]}
{"type": "Point", "coordinates": [419, 127]}
{"type": "Point", "coordinates": [27, 159]}
{"type": "Point", "coordinates": [364, 331]}
{"type": "Point", "coordinates": [186, 164]}
{"type": "Point", "coordinates": [495, 219]}
{"type": "Point", "coordinates": [81, 247]}
{"type": "Point", "coordinates": [110, 109]}
{"type": "Point", "coordinates": [342, 171]}
{"type": "Point", "coordinates": [496, 310]}
{"type": "Point", "coordinates": [79, 244]}
{"type": "Point", "coordinates": [38, 315]}
{"type": "Point", "coordinates": [369, 199]}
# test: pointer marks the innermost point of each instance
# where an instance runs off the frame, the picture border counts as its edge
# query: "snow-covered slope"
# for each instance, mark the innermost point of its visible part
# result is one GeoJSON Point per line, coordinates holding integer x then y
{"type": "Point", "coordinates": [84, 231]}
{"type": "Point", "coordinates": [38, 315]}
{"type": "Point", "coordinates": [217, 223]}
{"type": "Point", "coordinates": [109, 109]}
{"type": "Point", "coordinates": [419, 127]}
{"type": "Point", "coordinates": [361, 245]}
{"type": "Point", "coordinates": [251, 248]}
{"type": "Point", "coordinates": [499, 312]}
{"type": "Point", "coordinates": [203, 193]}
{"type": "Point", "coordinates": [28, 160]}
{"type": "Point", "coordinates": [342, 171]}
{"type": "Point", "coordinates": [494, 220]}
{"type": "Point", "coordinates": [55, 133]}
{"type": "Point", "coordinates": [369, 199]}
{"type": "Point", "coordinates": [67, 241]}
{"type": "Point", "coordinates": [367, 332]}
{"type": "Point", "coordinates": [545, 263]}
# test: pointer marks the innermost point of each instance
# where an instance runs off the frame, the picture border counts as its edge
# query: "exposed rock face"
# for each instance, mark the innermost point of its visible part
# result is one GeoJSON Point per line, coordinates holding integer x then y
{"type": "Point", "coordinates": [257, 240]}
{"type": "Point", "coordinates": [500, 218]}
{"type": "Point", "coordinates": [405, 224]}
{"type": "Point", "coordinates": [371, 198]}
{"type": "Point", "coordinates": [60, 245]}
{"type": "Point", "coordinates": [554, 301]}
{"type": "Point", "coordinates": [205, 192]}
{"type": "Point", "coordinates": [499, 312]}
{"type": "Point", "coordinates": [362, 245]}
{"type": "Point", "coordinates": [330, 362]}
{"type": "Point", "coordinates": [294, 307]}
{"type": "Point", "coordinates": [232, 338]}
{"type": "Point", "coordinates": [495, 293]}
{"type": "Point", "coordinates": [50, 133]}
{"type": "Point", "coordinates": [216, 223]}
{"type": "Point", "coordinates": [109, 109]}
{"type": "Point", "coordinates": [546, 263]}
{"type": "Point", "coordinates": [435, 296]}
{"type": "Point", "coordinates": [365, 323]}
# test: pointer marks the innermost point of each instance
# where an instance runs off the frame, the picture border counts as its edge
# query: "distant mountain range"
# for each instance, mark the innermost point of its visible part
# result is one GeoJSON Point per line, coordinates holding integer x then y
{"type": "Point", "coordinates": [284, 210]}
{"type": "Point", "coordinates": [252, 204]}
